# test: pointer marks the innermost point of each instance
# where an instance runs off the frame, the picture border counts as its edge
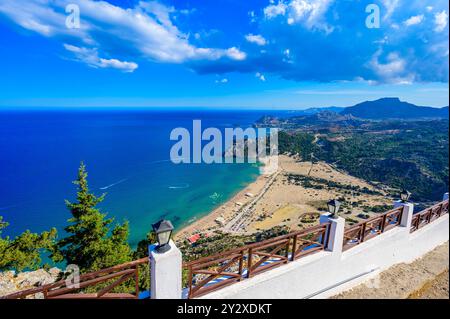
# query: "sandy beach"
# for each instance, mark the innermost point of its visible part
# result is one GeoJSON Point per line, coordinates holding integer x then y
{"type": "Point", "coordinates": [226, 211]}
{"type": "Point", "coordinates": [276, 199]}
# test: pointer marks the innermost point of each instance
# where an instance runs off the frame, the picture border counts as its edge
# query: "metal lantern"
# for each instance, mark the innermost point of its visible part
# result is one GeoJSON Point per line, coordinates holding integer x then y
{"type": "Point", "coordinates": [333, 207]}
{"type": "Point", "coordinates": [163, 230]}
{"type": "Point", "coordinates": [405, 195]}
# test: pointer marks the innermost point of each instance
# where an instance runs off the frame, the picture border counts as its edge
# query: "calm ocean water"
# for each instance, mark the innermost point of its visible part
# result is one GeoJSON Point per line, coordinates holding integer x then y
{"type": "Point", "coordinates": [127, 156]}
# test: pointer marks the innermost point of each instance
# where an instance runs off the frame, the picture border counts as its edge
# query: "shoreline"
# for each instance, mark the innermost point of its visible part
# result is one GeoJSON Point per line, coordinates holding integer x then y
{"type": "Point", "coordinates": [273, 199]}
{"type": "Point", "coordinates": [208, 223]}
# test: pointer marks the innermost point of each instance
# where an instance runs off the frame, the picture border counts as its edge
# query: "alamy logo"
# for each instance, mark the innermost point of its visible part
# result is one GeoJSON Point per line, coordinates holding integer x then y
{"type": "Point", "coordinates": [210, 146]}
{"type": "Point", "coordinates": [73, 278]}
{"type": "Point", "coordinates": [73, 19]}
{"type": "Point", "coordinates": [373, 19]}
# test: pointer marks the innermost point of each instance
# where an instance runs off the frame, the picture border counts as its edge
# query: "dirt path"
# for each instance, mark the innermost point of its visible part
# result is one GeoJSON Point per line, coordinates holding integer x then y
{"type": "Point", "coordinates": [433, 289]}
{"type": "Point", "coordinates": [239, 221]}
{"type": "Point", "coordinates": [426, 277]}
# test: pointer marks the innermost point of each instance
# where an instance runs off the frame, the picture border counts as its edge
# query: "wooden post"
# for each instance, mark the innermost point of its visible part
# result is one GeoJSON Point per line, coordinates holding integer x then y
{"type": "Point", "coordinates": [363, 233]}
{"type": "Point", "coordinates": [287, 250]}
{"type": "Point", "coordinates": [136, 279]}
{"type": "Point", "coordinates": [190, 281]}
{"type": "Point", "coordinates": [383, 223]}
{"type": "Point", "coordinates": [249, 262]}
{"type": "Point", "coordinates": [241, 265]}
{"type": "Point", "coordinates": [294, 247]}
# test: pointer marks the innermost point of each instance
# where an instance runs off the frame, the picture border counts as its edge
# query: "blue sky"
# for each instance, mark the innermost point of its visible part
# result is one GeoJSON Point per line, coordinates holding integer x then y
{"type": "Point", "coordinates": [283, 54]}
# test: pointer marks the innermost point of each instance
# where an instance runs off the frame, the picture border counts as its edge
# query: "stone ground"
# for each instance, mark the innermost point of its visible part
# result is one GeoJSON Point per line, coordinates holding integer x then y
{"type": "Point", "coordinates": [11, 282]}
{"type": "Point", "coordinates": [424, 278]}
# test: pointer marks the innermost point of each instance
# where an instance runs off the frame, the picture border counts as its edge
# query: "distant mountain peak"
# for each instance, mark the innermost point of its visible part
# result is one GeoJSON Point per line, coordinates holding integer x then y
{"type": "Point", "coordinates": [393, 99]}
{"type": "Point", "coordinates": [394, 108]}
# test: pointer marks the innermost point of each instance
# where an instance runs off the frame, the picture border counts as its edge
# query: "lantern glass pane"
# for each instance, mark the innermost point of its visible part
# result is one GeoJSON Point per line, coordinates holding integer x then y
{"type": "Point", "coordinates": [337, 205]}
{"type": "Point", "coordinates": [331, 208]}
{"type": "Point", "coordinates": [164, 237]}
{"type": "Point", "coordinates": [404, 196]}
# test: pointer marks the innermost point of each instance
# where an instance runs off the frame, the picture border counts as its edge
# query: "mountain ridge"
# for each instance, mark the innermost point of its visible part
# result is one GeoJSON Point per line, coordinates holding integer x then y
{"type": "Point", "coordinates": [394, 108]}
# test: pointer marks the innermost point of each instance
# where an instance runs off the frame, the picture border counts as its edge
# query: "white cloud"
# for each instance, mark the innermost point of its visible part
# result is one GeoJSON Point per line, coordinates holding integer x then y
{"type": "Point", "coordinates": [260, 76]}
{"type": "Point", "coordinates": [146, 30]}
{"type": "Point", "coordinates": [440, 21]}
{"type": "Point", "coordinates": [236, 54]}
{"type": "Point", "coordinates": [384, 40]}
{"type": "Point", "coordinates": [252, 16]}
{"type": "Point", "coordinates": [440, 49]}
{"type": "Point", "coordinates": [309, 13]}
{"type": "Point", "coordinates": [338, 92]}
{"type": "Point", "coordinates": [393, 70]}
{"type": "Point", "coordinates": [257, 39]}
{"type": "Point", "coordinates": [116, 64]}
{"type": "Point", "coordinates": [390, 6]}
{"type": "Point", "coordinates": [392, 67]}
{"type": "Point", "coordinates": [429, 8]}
{"type": "Point", "coordinates": [91, 58]}
{"type": "Point", "coordinates": [272, 10]}
{"type": "Point", "coordinates": [287, 58]}
{"type": "Point", "coordinates": [413, 20]}
{"type": "Point", "coordinates": [222, 81]}
{"type": "Point", "coordinates": [38, 16]}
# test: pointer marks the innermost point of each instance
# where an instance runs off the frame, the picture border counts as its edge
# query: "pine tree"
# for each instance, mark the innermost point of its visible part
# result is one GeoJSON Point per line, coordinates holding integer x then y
{"type": "Point", "coordinates": [24, 252]}
{"type": "Point", "coordinates": [141, 252]}
{"type": "Point", "coordinates": [92, 243]}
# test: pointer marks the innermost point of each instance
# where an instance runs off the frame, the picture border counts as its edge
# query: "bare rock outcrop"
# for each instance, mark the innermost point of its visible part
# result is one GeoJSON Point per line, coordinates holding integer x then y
{"type": "Point", "coordinates": [11, 282]}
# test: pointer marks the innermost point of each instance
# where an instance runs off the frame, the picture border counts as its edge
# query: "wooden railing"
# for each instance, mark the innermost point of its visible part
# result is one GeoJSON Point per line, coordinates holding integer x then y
{"type": "Point", "coordinates": [109, 277]}
{"type": "Point", "coordinates": [210, 273]}
{"type": "Point", "coordinates": [428, 215]}
{"type": "Point", "coordinates": [372, 227]}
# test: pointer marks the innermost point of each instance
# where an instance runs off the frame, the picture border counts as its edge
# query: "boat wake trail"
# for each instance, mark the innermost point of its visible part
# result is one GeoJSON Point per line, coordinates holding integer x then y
{"type": "Point", "coordinates": [7, 207]}
{"type": "Point", "coordinates": [180, 186]}
{"type": "Point", "coordinates": [167, 160]}
{"type": "Point", "coordinates": [114, 184]}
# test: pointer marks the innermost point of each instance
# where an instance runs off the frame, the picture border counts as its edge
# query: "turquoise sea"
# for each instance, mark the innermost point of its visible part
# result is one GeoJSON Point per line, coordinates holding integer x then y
{"type": "Point", "coordinates": [126, 152]}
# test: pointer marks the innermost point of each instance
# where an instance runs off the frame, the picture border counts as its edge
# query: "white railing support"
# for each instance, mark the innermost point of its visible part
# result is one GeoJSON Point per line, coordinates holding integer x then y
{"type": "Point", "coordinates": [165, 272]}
{"type": "Point", "coordinates": [408, 210]}
{"type": "Point", "coordinates": [335, 233]}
